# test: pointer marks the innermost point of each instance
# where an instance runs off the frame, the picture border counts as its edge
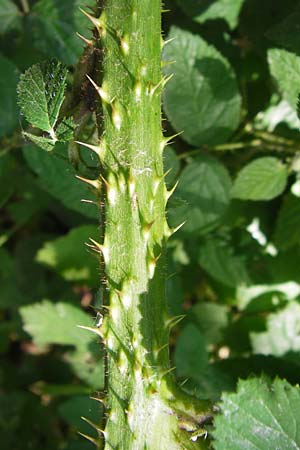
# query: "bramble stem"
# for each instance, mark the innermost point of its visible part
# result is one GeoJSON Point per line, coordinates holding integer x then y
{"type": "Point", "coordinates": [144, 408]}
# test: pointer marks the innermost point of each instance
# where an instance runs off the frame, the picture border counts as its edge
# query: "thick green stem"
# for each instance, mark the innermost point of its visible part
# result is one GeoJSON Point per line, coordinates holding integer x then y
{"type": "Point", "coordinates": [144, 409]}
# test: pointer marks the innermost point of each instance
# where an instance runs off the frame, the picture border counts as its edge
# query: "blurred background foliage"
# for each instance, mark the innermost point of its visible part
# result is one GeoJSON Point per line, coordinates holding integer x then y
{"type": "Point", "coordinates": [233, 268]}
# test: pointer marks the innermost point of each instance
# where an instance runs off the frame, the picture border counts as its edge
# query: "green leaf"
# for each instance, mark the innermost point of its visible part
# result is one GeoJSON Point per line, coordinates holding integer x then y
{"type": "Point", "coordinates": [261, 179]}
{"type": "Point", "coordinates": [258, 16]}
{"type": "Point", "coordinates": [246, 295]}
{"type": "Point", "coordinates": [218, 259]}
{"type": "Point", "coordinates": [41, 141]}
{"type": "Point", "coordinates": [64, 133]}
{"type": "Point", "coordinates": [10, 296]}
{"type": "Point", "coordinates": [7, 165]}
{"type": "Point", "coordinates": [282, 335]}
{"type": "Point", "coordinates": [211, 320]}
{"type": "Point", "coordinates": [65, 129]}
{"type": "Point", "coordinates": [57, 177]}
{"type": "Point", "coordinates": [285, 33]}
{"type": "Point", "coordinates": [55, 24]}
{"type": "Point", "coordinates": [191, 356]}
{"type": "Point", "coordinates": [32, 279]}
{"type": "Point", "coordinates": [276, 114]}
{"type": "Point", "coordinates": [204, 187]}
{"type": "Point", "coordinates": [202, 10]}
{"type": "Point", "coordinates": [261, 415]}
{"type": "Point", "coordinates": [19, 412]}
{"type": "Point", "coordinates": [287, 228]}
{"type": "Point", "coordinates": [9, 16]}
{"type": "Point", "coordinates": [285, 69]}
{"type": "Point", "coordinates": [202, 99]}
{"type": "Point", "coordinates": [87, 364]}
{"type": "Point", "coordinates": [74, 408]}
{"type": "Point", "coordinates": [56, 323]}
{"type": "Point", "coordinates": [8, 96]}
{"type": "Point", "coordinates": [171, 165]}
{"type": "Point", "coordinates": [41, 93]}
{"type": "Point", "coordinates": [69, 256]}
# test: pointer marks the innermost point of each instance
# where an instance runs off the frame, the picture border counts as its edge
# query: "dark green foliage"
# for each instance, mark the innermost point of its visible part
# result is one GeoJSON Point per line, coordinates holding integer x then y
{"type": "Point", "coordinates": [233, 267]}
{"type": "Point", "coordinates": [202, 100]}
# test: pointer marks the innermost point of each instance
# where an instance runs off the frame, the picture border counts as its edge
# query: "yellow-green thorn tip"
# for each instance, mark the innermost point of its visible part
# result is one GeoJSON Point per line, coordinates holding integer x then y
{"type": "Point", "coordinates": [98, 23]}
{"type": "Point", "coordinates": [92, 329]}
{"type": "Point", "coordinates": [99, 248]}
{"type": "Point", "coordinates": [85, 200]}
{"type": "Point", "coordinates": [167, 41]}
{"type": "Point", "coordinates": [94, 183]}
{"type": "Point", "coordinates": [161, 84]}
{"type": "Point", "coordinates": [98, 149]}
{"type": "Point", "coordinates": [93, 425]}
{"type": "Point", "coordinates": [157, 351]}
{"type": "Point", "coordinates": [166, 372]}
{"type": "Point", "coordinates": [116, 116]}
{"type": "Point", "coordinates": [146, 230]}
{"type": "Point", "coordinates": [174, 230]}
{"type": "Point", "coordinates": [91, 439]}
{"type": "Point", "coordinates": [102, 93]}
{"type": "Point", "coordinates": [138, 91]}
{"type": "Point", "coordinates": [168, 140]}
{"type": "Point", "coordinates": [99, 400]}
{"type": "Point", "coordinates": [125, 44]}
{"type": "Point", "coordinates": [170, 231]}
{"type": "Point", "coordinates": [111, 191]}
{"type": "Point", "coordinates": [152, 266]}
{"type": "Point", "coordinates": [169, 193]}
{"type": "Point", "coordinates": [87, 41]}
{"type": "Point", "coordinates": [167, 63]}
{"type": "Point", "coordinates": [173, 321]}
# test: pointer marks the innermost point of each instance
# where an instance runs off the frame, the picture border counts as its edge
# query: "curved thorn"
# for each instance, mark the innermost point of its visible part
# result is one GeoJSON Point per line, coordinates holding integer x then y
{"type": "Point", "coordinates": [92, 329]}
{"type": "Point", "coordinates": [94, 183]}
{"type": "Point", "coordinates": [88, 42]}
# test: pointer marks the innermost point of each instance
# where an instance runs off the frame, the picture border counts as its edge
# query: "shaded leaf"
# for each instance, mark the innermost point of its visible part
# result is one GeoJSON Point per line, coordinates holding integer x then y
{"type": "Point", "coordinates": [171, 164]}
{"type": "Point", "coordinates": [55, 25]}
{"type": "Point", "coordinates": [8, 96]}
{"type": "Point", "coordinates": [287, 228]}
{"type": "Point", "coordinates": [211, 319]}
{"type": "Point", "coordinates": [204, 188]}
{"type": "Point", "coordinates": [57, 177]}
{"type": "Point", "coordinates": [218, 259]}
{"type": "Point", "coordinates": [7, 166]}
{"type": "Point", "coordinates": [285, 33]}
{"type": "Point", "coordinates": [74, 408]}
{"type": "Point", "coordinates": [18, 411]}
{"type": "Point", "coordinates": [9, 16]}
{"type": "Point", "coordinates": [202, 99]}
{"type": "Point", "coordinates": [258, 16]}
{"type": "Point", "coordinates": [202, 10]}
{"type": "Point", "coordinates": [34, 280]}
{"type": "Point", "coordinates": [87, 364]}
{"type": "Point", "coordinates": [10, 295]}
{"type": "Point", "coordinates": [191, 356]}
{"type": "Point", "coordinates": [69, 256]}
